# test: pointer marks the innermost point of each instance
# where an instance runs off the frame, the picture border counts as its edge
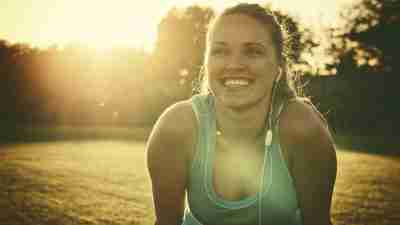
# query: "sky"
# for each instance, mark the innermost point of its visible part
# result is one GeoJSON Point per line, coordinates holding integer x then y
{"type": "Point", "coordinates": [104, 24]}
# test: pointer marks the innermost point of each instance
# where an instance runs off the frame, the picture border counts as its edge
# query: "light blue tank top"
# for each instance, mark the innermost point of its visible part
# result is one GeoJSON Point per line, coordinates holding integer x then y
{"type": "Point", "coordinates": [279, 205]}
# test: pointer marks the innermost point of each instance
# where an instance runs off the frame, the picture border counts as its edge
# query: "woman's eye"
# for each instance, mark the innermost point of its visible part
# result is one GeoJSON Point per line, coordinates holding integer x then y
{"type": "Point", "coordinates": [218, 52]}
{"type": "Point", "coordinates": [254, 52]}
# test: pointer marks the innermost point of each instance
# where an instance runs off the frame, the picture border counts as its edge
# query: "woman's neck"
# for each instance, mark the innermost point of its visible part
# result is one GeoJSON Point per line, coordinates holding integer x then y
{"type": "Point", "coordinates": [242, 124]}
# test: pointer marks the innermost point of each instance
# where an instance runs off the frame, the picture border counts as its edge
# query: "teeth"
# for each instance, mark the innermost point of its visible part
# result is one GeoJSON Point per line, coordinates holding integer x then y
{"type": "Point", "coordinates": [236, 83]}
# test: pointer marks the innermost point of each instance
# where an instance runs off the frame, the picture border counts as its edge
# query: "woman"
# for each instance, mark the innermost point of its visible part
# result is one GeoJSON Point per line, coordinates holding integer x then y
{"type": "Point", "coordinates": [249, 151]}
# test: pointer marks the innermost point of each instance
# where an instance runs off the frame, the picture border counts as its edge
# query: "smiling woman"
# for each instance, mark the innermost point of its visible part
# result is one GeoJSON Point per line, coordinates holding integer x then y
{"type": "Point", "coordinates": [248, 151]}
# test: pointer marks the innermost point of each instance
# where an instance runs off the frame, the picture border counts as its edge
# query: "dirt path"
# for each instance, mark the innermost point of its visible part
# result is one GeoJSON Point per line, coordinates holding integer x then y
{"type": "Point", "coordinates": [105, 182]}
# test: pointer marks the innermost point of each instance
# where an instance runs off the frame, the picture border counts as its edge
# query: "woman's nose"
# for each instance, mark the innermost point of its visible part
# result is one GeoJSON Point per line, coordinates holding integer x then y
{"type": "Point", "coordinates": [236, 61]}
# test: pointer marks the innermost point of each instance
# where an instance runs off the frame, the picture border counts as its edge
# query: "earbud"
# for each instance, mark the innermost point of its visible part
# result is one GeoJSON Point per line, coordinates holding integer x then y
{"type": "Point", "coordinates": [278, 77]}
{"type": "Point", "coordinates": [268, 138]}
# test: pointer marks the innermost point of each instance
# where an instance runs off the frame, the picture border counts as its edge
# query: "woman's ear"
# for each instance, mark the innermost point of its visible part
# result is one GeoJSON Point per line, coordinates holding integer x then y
{"type": "Point", "coordinates": [279, 75]}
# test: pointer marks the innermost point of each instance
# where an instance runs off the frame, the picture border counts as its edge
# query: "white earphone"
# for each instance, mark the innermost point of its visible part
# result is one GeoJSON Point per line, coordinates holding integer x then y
{"type": "Point", "coordinates": [268, 143]}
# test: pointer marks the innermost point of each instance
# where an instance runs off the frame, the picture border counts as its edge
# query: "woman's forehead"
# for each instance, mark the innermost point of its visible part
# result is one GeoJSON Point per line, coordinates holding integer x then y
{"type": "Point", "coordinates": [239, 27]}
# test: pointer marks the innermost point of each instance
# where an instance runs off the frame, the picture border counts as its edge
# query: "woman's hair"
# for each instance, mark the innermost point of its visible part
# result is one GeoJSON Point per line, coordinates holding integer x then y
{"type": "Point", "coordinates": [284, 89]}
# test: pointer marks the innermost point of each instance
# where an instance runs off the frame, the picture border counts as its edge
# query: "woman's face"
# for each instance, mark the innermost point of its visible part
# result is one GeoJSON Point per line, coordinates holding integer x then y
{"type": "Point", "coordinates": [241, 61]}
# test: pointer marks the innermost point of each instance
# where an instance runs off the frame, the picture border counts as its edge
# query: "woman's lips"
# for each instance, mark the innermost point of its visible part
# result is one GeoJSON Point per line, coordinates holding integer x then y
{"type": "Point", "coordinates": [236, 82]}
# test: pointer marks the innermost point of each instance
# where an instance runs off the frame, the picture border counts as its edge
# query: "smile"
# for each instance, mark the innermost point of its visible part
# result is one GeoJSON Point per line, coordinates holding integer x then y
{"type": "Point", "coordinates": [236, 82]}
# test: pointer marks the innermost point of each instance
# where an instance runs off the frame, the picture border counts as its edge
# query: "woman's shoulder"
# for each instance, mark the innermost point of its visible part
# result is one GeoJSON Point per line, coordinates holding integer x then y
{"type": "Point", "coordinates": [304, 133]}
{"type": "Point", "coordinates": [300, 120]}
{"type": "Point", "coordinates": [306, 140]}
{"type": "Point", "coordinates": [178, 121]}
{"type": "Point", "coordinates": [167, 153]}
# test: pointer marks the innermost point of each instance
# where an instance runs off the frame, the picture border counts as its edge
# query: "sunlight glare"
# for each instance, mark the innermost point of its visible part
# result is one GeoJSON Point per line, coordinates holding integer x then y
{"type": "Point", "coordinates": [125, 23]}
{"type": "Point", "coordinates": [101, 24]}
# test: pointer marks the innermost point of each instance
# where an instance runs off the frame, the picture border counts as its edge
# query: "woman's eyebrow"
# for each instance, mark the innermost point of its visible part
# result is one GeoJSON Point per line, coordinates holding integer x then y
{"type": "Point", "coordinates": [219, 43]}
{"type": "Point", "coordinates": [250, 43]}
{"type": "Point", "coordinates": [255, 44]}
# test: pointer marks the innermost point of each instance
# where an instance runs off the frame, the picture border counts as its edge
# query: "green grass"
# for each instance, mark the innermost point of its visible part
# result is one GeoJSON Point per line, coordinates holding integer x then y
{"type": "Point", "coordinates": [367, 189]}
{"type": "Point", "coordinates": [95, 182]}
{"type": "Point", "coordinates": [69, 132]}
{"type": "Point", "coordinates": [105, 182]}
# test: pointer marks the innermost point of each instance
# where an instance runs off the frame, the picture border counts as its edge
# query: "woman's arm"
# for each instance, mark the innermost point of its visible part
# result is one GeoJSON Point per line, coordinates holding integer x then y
{"type": "Point", "coordinates": [312, 160]}
{"type": "Point", "coordinates": [167, 160]}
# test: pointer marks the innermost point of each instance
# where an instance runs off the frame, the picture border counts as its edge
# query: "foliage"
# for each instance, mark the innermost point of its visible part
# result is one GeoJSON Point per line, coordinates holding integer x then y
{"type": "Point", "coordinates": [362, 98]}
{"type": "Point", "coordinates": [368, 42]}
{"type": "Point", "coordinates": [299, 40]}
{"type": "Point", "coordinates": [181, 44]}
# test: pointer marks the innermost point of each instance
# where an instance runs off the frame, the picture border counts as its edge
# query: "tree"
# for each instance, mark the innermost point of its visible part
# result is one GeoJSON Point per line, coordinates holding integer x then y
{"type": "Point", "coordinates": [369, 40]}
{"type": "Point", "coordinates": [181, 40]}
{"type": "Point", "coordinates": [366, 52]}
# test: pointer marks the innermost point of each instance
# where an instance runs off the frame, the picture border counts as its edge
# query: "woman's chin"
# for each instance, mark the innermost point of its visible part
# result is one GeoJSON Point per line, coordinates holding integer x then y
{"type": "Point", "coordinates": [235, 103]}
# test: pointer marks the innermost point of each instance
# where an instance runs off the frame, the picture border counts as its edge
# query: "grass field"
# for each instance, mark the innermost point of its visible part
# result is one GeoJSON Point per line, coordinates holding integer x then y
{"type": "Point", "coordinates": [105, 182]}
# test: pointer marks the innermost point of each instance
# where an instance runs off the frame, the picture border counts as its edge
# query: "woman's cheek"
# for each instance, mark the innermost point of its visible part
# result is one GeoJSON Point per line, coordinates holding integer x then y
{"type": "Point", "coordinates": [214, 70]}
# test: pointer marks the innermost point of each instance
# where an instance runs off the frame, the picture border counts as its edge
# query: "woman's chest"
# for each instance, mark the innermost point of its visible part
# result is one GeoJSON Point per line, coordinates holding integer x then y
{"type": "Point", "coordinates": [237, 170]}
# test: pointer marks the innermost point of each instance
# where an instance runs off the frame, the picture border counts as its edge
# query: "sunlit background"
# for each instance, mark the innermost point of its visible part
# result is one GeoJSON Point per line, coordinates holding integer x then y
{"type": "Point", "coordinates": [105, 24]}
{"type": "Point", "coordinates": [123, 62]}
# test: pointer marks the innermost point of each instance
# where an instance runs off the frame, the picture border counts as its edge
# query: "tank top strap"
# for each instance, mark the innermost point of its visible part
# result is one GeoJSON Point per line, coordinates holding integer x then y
{"type": "Point", "coordinates": [201, 107]}
{"type": "Point", "coordinates": [200, 104]}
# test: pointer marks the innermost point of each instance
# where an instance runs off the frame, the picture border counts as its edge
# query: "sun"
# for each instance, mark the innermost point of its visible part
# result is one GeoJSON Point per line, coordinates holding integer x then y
{"type": "Point", "coordinates": [102, 24]}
